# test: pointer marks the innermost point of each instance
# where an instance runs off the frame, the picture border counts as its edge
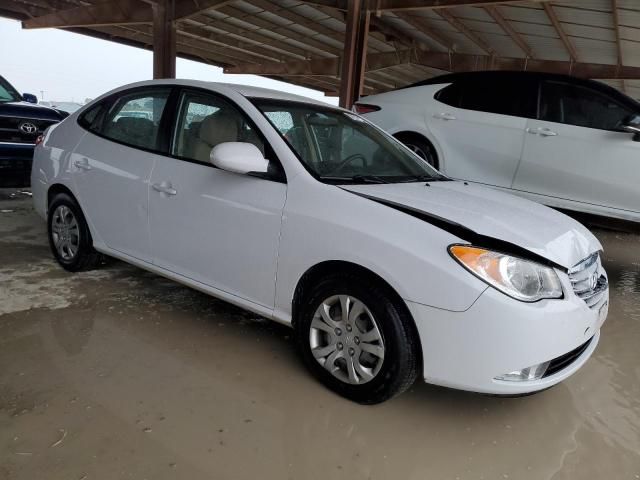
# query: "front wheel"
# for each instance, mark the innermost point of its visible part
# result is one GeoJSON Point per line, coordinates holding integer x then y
{"type": "Point", "coordinates": [357, 339]}
{"type": "Point", "coordinates": [421, 147]}
{"type": "Point", "coordinates": [69, 236]}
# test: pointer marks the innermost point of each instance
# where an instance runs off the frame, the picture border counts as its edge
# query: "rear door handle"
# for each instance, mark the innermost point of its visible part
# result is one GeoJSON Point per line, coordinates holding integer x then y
{"type": "Point", "coordinates": [444, 116]}
{"type": "Point", "coordinates": [82, 164]}
{"type": "Point", "coordinates": [164, 188]}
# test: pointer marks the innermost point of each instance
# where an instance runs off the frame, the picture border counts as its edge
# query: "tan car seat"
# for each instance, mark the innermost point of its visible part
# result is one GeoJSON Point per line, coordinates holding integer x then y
{"type": "Point", "coordinates": [214, 129]}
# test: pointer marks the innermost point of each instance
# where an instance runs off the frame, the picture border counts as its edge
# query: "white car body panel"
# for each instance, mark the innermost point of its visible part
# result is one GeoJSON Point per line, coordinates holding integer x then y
{"type": "Point", "coordinates": [250, 241]}
{"type": "Point", "coordinates": [580, 169]}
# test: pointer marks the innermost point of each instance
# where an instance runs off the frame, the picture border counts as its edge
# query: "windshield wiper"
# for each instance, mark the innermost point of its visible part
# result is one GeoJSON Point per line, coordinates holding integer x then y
{"type": "Point", "coordinates": [357, 179]}
{"type": "Point", "coordinates": [426, 178]}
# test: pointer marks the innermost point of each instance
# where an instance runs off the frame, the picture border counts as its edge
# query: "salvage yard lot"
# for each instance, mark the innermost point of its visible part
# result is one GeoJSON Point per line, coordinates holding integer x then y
{"type": "Point", "coordinates": [119, 367]}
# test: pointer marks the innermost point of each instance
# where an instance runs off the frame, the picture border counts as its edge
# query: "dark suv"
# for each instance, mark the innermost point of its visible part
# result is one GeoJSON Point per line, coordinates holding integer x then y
{"type": "Point", "coordinates": [21, 122]}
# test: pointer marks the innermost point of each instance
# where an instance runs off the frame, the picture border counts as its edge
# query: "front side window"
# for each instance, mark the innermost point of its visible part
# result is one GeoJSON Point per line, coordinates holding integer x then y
{"type": "Point", "coordinates": [134, 118]}
{"type": "Point", "coordinates": [205, 121]}
{"type": "Point", "coordinates": [581, 106]}
{"type": "Point", "coordinates": [338, 146]}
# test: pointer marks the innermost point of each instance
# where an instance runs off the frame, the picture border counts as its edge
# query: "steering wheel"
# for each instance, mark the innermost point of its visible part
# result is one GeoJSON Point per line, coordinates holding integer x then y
{"type": "Point", "coordinates": [346, 162]}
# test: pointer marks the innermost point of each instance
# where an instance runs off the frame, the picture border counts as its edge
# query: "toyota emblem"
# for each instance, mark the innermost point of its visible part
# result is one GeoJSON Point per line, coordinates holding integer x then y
{"type": "Point", "coordinates": [28, 128]}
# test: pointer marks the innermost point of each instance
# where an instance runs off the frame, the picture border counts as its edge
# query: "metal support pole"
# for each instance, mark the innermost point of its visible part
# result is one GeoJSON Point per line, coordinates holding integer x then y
{"type": "Point", "coordinates": [355, 53]}
{"type": "Point", "coordinates": [164, 39]}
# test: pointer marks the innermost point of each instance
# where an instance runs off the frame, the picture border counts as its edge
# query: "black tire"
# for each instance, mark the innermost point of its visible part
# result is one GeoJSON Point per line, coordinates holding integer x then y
{"type": "Point", "coordinates": [421, 146]}
{"type": "Point", "coordinates": [85, 257]}
{"type": "Point", "coordinates": [401, 364]}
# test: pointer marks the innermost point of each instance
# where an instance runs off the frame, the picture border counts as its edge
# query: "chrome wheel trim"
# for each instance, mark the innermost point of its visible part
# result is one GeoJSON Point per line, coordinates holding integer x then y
{"type": "Point", "coordinates": [65, 232]}
{"type": "Point", "coordinates": [345, 339]}
{"type": "Point", "coordinates": [426, 156]}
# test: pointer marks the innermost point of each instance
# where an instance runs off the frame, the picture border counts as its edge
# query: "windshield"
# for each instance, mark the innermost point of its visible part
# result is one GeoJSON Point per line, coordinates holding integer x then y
{"type": "Point", "coordinates": [338, 146]}
{"type": "Point", "coordinates": [7, 92]}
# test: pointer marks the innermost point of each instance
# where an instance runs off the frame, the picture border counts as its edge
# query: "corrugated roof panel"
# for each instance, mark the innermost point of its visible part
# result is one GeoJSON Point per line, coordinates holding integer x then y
{"type": "Point", "coordinates": [583, 17]}
{"type": "Point", "coordinates": [471, 13]}
{"type": "Point", "coordinates": [630, 34]}
{"type": "Point", "coordinates": [535, 29]}
{"type": "Point", "coordinates": [595, 51]}
{"type": "Point", "coordinates": [631, 54]}
{"type": "Point", "coordinates": [629, 4]}
{"type": "Point", "coordinates": [604, 5]}
{"type": "Point", "coordinates": [482, 27]}
{"type": "Point", "coordinates": [629, 17]}
{"type": "Point", "coordinates": [547, 48]}
{"type": "Point", "coordinates": [503, 45]}
{"type": "Point", "coordinates": [595, 33]}
{"type": "Point", "coordinates": [528, 15]}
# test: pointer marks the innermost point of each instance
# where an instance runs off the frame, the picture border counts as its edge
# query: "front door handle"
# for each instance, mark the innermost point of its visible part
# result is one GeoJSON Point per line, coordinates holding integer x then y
{"type": "Point", "coordinates": [164, 188]}
{"type": "Point", "coordinates": [444, 116]}
{"type": "Point", "coordinates": [82, 164]}
{"type": "Point", "coordinates": [545, 132]}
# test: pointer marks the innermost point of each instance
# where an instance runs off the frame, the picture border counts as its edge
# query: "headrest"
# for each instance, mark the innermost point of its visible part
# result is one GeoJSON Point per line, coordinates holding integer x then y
{"type": "Point", "coordinates": [218, 128]}
{"type": "Point", "coordinates": [136, 125]}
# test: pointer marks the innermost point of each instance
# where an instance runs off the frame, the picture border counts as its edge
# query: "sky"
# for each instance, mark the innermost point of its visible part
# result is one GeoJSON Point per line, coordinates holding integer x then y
{"type": "Point", "coordinates": [65, 66]}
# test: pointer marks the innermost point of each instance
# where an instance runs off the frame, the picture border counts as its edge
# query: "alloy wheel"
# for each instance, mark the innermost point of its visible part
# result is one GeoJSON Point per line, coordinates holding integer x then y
{"type": "Point", "coordinates": [65, 232]}
{"type": "Point", "coordinates": [345, 339]}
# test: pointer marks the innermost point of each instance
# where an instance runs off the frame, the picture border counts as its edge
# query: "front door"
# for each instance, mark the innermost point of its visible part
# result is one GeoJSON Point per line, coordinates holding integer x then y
{"type": "Point", "coordinates": [112, 165]}
{"type": "Point", "coordinates": [218, 228]}
{"type": "Point", "coordinates": [576, 151]}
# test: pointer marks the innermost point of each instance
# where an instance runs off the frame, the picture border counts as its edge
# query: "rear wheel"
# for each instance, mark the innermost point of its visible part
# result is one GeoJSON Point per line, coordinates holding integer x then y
{"type": "Point", "coordinates": [69, 236]}
{"type": "Point", "coordinates": [357, 339]}
{"type": "Point", "coordinates": [420, 146]}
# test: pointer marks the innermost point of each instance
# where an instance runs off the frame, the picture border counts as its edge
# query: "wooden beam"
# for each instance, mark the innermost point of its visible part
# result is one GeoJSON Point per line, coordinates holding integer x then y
{"type": "Point", "coordinates": [467, 32]}
{"type": "Point", "coordinates": [451, 62]}
{"type": "Point", "coordinates": [420, 24]}
{"type": "Point", "coordinates": [114, 12]}
{"type": "Point", "coordinates": [396, 5]}
{"type": "Point", "coordinates": [355, 51]}
{"type": "Point", "coordinates": [563, 36]}
{"type": "Point", "coordinates": [189, 8]}
{"type": "Point", "coordinates": [509, 30]}
{"type": "Point", "coordinates": [390, 32]}
{"type": "Point", "coordinates": [117, 12]}
{"type": "Point", "coordinates": [616, 26]}
{"type": "Point", "coordinates": [164, 39]}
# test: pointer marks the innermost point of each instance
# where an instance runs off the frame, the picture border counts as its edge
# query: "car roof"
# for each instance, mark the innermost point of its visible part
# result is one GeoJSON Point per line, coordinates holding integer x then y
{"type": "Point", "coordinates": [499, 75]}
{"type": "Point", "coordinates": [244, 90]}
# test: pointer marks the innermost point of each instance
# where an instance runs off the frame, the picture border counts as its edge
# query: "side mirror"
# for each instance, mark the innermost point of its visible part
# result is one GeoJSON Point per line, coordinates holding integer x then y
{"type": "Point", "coordinates": [239, 157]}
{"type": "Point", "coordinates": [29, 97]}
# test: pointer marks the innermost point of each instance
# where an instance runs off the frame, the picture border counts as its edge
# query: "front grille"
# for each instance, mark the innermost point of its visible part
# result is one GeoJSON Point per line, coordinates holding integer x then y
{"type": "Point", "coordinates": [565, 360]}
{"type": "Point", "coordinates": [10, 129]}
{"type": "Point", "coordinates": [589, 280]}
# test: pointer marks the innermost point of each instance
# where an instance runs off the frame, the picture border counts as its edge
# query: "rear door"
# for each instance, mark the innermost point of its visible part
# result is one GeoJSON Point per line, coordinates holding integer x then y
{"type": "Point", "coordinates": [112, 166]}
{"type": "Point", "coordinates": [219, 228]}
{"type": "Point", "coordinates": [577, 152]}
{"type": "Point", "coordinates": [479, 123]}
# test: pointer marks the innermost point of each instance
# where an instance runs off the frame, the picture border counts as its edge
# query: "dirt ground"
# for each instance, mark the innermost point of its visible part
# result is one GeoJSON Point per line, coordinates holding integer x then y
{"type": "Point", "coordinates": [121, 374]}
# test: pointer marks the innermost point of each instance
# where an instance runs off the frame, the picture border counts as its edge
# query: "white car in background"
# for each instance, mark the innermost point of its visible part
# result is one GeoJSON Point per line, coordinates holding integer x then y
{"type": "Point", "coordinates": [559, 140]}
{"type": "Point", "coordinates": [313, 217]}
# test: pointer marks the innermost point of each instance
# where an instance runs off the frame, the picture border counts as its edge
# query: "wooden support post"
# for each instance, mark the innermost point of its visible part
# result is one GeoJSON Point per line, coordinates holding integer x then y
{"type": "Point", "coordinates": [164, 39]}
{"type": "Point", "coordinates": [355, 53]}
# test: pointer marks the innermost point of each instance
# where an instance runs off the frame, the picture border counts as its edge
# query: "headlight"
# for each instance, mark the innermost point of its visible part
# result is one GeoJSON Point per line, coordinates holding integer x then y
{"type": "Point", "coordinates": [521, 279]}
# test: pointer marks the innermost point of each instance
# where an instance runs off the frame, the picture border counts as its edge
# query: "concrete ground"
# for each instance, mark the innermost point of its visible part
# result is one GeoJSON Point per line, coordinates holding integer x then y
{"type": "Point", "coordinates": [119, 374]}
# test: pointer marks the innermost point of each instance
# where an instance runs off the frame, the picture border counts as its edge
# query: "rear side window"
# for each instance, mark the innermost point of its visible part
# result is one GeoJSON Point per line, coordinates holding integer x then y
{"type": "Point", "coordinates": [92, 118]}
{"type": "Point", "coordinates": [503, 96]}
{"type": "Point", "coordinates": [581, 106]}
{"type": "Point", "coordinates": [134, 119]}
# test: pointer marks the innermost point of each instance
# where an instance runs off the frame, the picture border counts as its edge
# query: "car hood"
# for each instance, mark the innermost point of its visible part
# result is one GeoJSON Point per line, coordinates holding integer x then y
{"type": "Point", "coordinates": [29, 110]}
{"type": "Point", "coordinates": [491, 213]}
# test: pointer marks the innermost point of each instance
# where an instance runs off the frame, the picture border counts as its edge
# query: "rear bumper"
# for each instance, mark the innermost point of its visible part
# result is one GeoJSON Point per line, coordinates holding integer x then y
{"type": "Point", "coordinates": [497, 335]}
{"type": "Point", "coordinates": [16, 160]}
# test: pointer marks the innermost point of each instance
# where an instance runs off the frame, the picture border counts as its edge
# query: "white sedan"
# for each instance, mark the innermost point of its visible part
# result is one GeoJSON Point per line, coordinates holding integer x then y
{"type": "Point", "coordinates": [311, 216]}
{"type": "Point", "coordinates": [562, 141]}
